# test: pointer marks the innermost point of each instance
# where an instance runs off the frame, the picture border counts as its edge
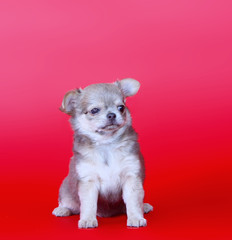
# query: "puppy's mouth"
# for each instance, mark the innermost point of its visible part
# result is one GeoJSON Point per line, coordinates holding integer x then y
{"type": "Point", "coordinates": [110, 127]}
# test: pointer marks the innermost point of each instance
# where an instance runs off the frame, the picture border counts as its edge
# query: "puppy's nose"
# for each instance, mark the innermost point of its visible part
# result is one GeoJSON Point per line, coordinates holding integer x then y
{"type": "Point", "coordinates": [111, 116]}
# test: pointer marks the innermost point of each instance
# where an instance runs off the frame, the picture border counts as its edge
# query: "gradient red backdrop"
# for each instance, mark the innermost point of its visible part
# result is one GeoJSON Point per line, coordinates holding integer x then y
{"type": "Point", "coordinates": [180, 51]}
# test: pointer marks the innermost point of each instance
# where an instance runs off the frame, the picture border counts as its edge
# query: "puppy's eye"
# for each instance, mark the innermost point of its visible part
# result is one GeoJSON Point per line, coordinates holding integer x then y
{"type": "Point", "coordinates": [121, 108]}
{"type": "Point", "coordinates": [95, 110]}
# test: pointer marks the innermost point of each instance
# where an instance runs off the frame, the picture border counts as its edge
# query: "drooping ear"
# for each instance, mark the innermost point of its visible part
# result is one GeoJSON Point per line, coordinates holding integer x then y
{"type": "Point", "coordinates": [128, 86]}
{"type": "Point", "coordinates": [70, 101]}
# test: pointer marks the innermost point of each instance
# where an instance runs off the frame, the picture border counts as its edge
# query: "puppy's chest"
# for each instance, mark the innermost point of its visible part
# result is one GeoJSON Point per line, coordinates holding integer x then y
{"type": "Point", "coordinates": [105, 166]}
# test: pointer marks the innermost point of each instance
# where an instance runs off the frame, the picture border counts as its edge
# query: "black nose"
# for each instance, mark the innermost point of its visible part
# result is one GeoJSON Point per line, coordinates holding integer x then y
{"type": "Point", "coordinates": [111, 116]}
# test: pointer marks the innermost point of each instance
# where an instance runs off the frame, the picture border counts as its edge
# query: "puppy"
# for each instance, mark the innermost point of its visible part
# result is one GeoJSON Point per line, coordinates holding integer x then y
{"type": "Point", "coordinates": [106, 172]}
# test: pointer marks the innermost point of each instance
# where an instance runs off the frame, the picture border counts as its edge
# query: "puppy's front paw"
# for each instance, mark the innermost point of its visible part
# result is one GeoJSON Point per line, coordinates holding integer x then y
{"type": "Point", "coordinates": [88, 223]}
{"type": "Point", "coordinates": [136, 222]}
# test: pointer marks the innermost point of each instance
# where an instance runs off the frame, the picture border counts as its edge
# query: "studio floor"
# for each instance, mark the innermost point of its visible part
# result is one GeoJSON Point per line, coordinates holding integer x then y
{"type": "Point", "coordinates": [183, 209]}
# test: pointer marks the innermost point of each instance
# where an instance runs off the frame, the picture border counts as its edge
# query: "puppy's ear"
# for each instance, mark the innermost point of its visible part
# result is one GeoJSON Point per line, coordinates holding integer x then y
{"type": "Point", "coordinates": [128, 86]}
{"type": "Point", "coordinates": [70, 101]}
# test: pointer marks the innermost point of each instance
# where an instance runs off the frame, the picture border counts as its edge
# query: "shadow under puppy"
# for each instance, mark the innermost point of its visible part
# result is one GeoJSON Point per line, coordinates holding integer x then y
{"type": "Point", "coordinates": [106, 172]}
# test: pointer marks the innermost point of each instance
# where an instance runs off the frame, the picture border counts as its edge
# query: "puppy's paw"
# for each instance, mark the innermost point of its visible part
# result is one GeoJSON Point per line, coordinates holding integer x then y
{"type": "Point", "coordinates": [136, 222]}
{"type": "Point", "coordinates": [88, 223]}
{"type": "Point", "coordinates": [147, 207]}
{"type": "Point", "coordinates": [62, 212]}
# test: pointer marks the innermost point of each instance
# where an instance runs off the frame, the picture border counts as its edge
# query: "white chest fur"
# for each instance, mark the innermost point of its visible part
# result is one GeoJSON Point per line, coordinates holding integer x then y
{"type": "Point", "coordinates": [107, 166]}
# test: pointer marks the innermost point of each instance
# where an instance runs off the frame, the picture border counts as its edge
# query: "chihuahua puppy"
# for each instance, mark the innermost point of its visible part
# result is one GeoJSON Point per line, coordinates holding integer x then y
{"type": "Point", "coordinates": [106, 172]}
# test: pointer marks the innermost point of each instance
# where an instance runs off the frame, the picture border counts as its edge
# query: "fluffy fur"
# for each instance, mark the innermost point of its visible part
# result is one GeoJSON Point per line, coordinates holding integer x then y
{"type": "Point", "coordinates": [106, 171]}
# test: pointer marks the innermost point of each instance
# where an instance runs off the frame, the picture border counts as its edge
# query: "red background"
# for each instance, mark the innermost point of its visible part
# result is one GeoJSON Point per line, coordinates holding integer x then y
{"type": "Point", "coordinates": [180, 51]}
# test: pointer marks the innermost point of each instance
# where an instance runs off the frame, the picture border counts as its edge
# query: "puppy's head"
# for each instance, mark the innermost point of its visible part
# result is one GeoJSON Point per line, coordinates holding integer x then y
{"type": "Point", "coordinates": [100, 109]}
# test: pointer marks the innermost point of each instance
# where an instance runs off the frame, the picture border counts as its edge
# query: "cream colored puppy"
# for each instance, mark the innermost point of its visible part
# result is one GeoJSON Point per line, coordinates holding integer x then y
{"type": "Point", "coordinates": [106, 172]}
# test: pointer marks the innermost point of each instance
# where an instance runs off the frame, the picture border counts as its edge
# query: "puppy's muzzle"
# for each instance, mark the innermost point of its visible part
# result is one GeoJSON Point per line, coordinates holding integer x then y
{"type": "Point", "coordinates": [111, 122]}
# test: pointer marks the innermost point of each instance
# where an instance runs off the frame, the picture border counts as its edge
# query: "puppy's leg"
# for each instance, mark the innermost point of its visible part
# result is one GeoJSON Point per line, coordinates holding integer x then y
{"type": "Point", "coordinates": [68, 200]}
{"type": "Point", "coordinates": [133, 194]}
{"type": "Point", "coordinates": [67, 207]}
{"type": "Point", "coordinates": [88, 194]}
